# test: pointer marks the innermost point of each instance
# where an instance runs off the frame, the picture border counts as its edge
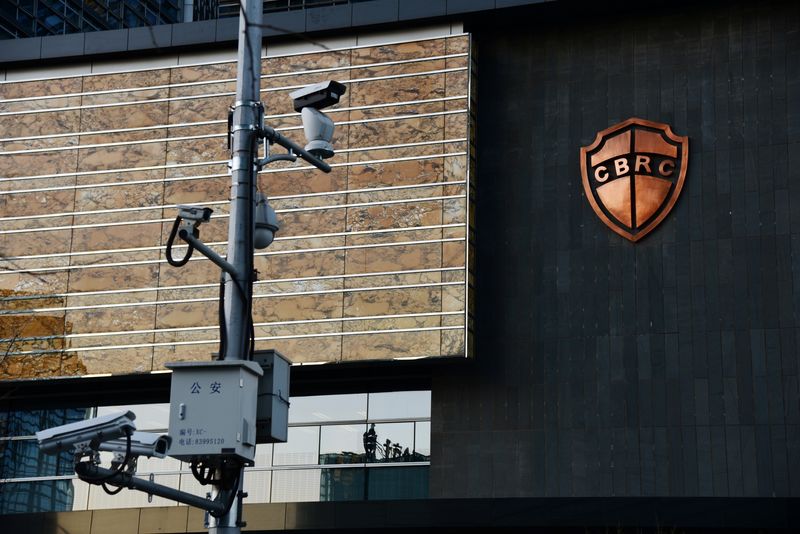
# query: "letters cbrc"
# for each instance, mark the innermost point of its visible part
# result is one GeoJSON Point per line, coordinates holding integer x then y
{"type": "Point", "coordinates": [643, 163]}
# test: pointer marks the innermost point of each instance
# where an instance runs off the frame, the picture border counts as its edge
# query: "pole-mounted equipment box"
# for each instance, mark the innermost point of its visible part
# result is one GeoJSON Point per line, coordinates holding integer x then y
{"type": "Point", "coordinates": [272, 421]}
{"type": "Point", "coordinates": [213, 409]}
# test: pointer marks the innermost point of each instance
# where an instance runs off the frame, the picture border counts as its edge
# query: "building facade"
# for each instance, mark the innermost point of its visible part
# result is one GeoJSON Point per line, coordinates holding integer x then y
{"type": "Point", "coordinates": [577, 379]}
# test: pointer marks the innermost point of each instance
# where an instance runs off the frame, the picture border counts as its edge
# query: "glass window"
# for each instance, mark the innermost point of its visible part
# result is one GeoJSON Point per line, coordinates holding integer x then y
{"type": "Point", "coordinates": [296, 485]}
{"type": "Point", "coordinates": [328, 408]}
{"type": "Point", "coordinates": [395, 483]}
{"type": "Point", "coordinates": [301, 448]}
{"type": "Point", "coordinates": [34, 497]}
{"type": "Point", "coordinates": [394, 442]}
{"type": "Point", "coordinates": [342, 484]}
{"type": "Point", "coordinates": [422, 442]}
{"type": "Point", "coordinates": [342, 444]}
{"type": "Point", "coordinates": [399, 405]}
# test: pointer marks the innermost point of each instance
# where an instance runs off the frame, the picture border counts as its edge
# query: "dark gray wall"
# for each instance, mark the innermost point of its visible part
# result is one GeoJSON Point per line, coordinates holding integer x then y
{"type": "Point", "coordinates": [606, 368]}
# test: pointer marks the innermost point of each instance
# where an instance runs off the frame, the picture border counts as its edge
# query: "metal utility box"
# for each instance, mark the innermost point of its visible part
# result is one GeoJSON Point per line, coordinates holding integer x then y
{"type": "Point", "coordinates": [213, 409]}
{"type": "Point", "coordinates": [272, 422]}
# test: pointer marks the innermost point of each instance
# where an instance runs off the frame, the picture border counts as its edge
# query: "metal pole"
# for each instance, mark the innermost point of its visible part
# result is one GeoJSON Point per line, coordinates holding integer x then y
{"type": "Point", "coordinates": [241, 223]}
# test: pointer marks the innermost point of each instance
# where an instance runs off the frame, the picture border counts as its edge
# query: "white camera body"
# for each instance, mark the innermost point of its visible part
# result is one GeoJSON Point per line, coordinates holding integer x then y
{"type": "Point", "coordinates": [83, 436]}
{"type": "Point", "coordinates": [142, 444]}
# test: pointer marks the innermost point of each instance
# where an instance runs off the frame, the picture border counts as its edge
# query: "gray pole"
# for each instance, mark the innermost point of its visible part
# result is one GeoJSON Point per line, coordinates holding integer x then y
{"type": "Point", "coordinates": [241, 225]}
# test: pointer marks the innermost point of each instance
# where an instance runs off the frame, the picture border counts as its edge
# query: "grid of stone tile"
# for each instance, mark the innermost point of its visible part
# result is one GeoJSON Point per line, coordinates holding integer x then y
{"type": "Point", "coordinates": [85, 215]}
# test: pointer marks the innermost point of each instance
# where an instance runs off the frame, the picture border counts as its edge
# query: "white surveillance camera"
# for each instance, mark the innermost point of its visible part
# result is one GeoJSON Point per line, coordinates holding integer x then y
{"type": "Point", "coordinates": [86, 435]}
{"type": "Point", "coordinates": [318, 128]}
{"type": "Point", "coordinates": [318, 95]}
{"type": "Point", "coordinates": [142, 444]}
{"type": "Point", "coordinates": [194, 213]}
{"type": "Point", "coordinates": [266, 222]}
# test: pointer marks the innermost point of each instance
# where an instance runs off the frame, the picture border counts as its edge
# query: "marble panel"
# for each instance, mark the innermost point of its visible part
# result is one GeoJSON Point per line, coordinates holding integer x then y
{"type": "Point", "coordinates": [121, 157]}
{"type": "Point", "coordinates": [303, 62]}
{"type": "Point", "coordinates": [115, 340]}
{"type": "Point", "coordinates": [210, 291]}
{"type": "Point", "coordinates": [24, 276]}
{"type": "Point", "coordinates": [410, 172]}
{"type": "Point", "coordinates": [111, 179]}
{"type": "Point", "coordinates": [197, 191]}
{"type": "Point", "coordinates": [54, 86]}
{"type": "Point", "coordinates": [392, 110]}
{"type": "Point", "coordinates": [31, 332]}
{"type": "Point", "coordinates": [123, 137]}
{"type": "Point", "coordinates": [196, 169]}
{"type": "Point", "coordinates": [457, 44]}
{"type": "Point", "coordinates": [197, 271]}
{"type": "Point", "coordinates": [391, 301]}
{"type": "Point", "coordinates": [218, 128]}
{"type": "Point", "coordinates": [389, 238]}
{"type": "Point", "coordinates": [203, 73]}
{"type": "Point", "coordinates": [37, 203]}
{"type": "Point", "coordinates": [304, 350]}
{"type": "Point", "coordinates": [199, 109]}
{"type": "Point", "coordinates": [296, 308]}
{"type": "Point", "coordinates": [40, 163]}
{"type": "Point", "coordinates": [400, 51]}
{"type": "Point", "coordinates": [452, 342]}
{"type": "Point", "coordinates": [24, 106]}
{"type": "Point", "coordinates": [143, 234]}
{"type": "Point", "coordinates": [30, 124]}
{"type": "Point", "coordinates": [33, 366]}
{"type": "Point", "coordinates": [422, 87]}
{"type": "Point", "coordinates": [126, 80]}
{"type": "Point", "coordinates": [131, 98]}
{"type": "Point", "coordinates": [454, 297]}
{"type": "Point", "coordinates": [118, 319]}
{"type": "Point", "coordinates": [453, 254]}
{"type": "Point", "coordinates": [205, 335]}
{"type": "Point", "coordinates": [392, 323]}
{"type": "Point", "coordinates": [324, 263]}
{"type": "Point", "coordinates": [118, 197]}
{"type": "Point", "coordinates": [225, 89]}
{"type": "Point", "coordinates": [117, 361]}
{"type": "Point", "coordinates": [299, 182]}
{"type": "Point", "coordinates": [45, 242]}
{"type": "Point", "coordinates": [397, 131]}
{"type": "Point", "coordinates": [201, 352]}
{"type": "Point", "coordinates": [401, 215]}
{"type": "Point", "coordinates": [420, 66]}
{"type": "Point", "coordinates": [389, 346]}
{"type": "Point", "coordinates": [455, 210]}
{"type": "Point", "coordinates": [455, 126]}
{"type": "Point", "coordinates": [303, 223]}
{"type": "Point", "coordinates": [197, 150]}
{"type": "Point", "coordinates": [366, 155]}
{"type": "Point", "coordinates": [132, 116]}
{"type": "Point", "coordinates": [187, 314]}
{"type": "Point", "coordinates": [455, 167]}
{"type": "Point", "coordinates": [393, 280]}
{"type": "Point", "coordinates": [457, 104]}
{"type": "Point", "coordinates": [457, 83]}
{"type": "Point", "coordinates": [394, 258]}
{"type": "Point", "coordinates": [120, 277]}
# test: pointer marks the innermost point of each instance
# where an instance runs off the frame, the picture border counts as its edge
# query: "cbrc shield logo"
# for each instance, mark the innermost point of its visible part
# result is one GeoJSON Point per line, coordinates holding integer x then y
{"type": "Point", "coordinates": [633, 174]}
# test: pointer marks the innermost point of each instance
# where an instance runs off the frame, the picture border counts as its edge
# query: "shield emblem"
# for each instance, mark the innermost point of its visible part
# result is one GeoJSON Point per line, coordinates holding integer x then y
{"type": "Point", "coordinates": [633, 173]}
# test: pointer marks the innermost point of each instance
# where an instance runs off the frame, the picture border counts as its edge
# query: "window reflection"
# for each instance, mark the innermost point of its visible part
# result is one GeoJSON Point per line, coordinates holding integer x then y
{"type": "Point", "coordinates": [341, 444]}
{"type": "Point", "coordinates": [326, 408]}
{"type": "Point", "coordinates": [399, 405]}
{"type": "Point", "coordinates": [301, 448]}
{"type": "Point", "coordinates": [389, 442]}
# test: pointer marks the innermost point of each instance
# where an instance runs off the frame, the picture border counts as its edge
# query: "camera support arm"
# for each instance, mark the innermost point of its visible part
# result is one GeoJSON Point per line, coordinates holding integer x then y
{"type": "Point", "coordinates": [87, 471]}
{"type": "Point", "coordinates": [206, 251]}
{"type": "Point", "coordinates": [273, 136]}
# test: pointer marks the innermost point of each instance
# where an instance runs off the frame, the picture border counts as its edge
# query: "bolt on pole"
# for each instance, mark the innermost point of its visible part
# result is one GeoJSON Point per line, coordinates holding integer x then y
{"type": "Point", "coordinates": [238, 288]}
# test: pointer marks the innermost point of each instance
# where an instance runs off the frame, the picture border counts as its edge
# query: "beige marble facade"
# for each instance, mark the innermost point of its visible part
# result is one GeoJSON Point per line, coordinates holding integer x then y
{"type": "Point", "coordinates": [371, 261]}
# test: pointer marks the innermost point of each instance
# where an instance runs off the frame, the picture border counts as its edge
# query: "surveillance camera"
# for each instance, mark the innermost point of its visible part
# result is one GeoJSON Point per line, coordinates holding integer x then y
{"type": "Point", "coordinates": [319, 131]}
{"type": "Point", "coordinates": [318, 95]}
{"type": "Point", "coordinates": [86, 435]}
{"type": "Point", "coordinates": [266, 222]}
{"type": "Point", "coordinates": [142, 444]}
{"type": "Point", "coordinates": [194, 213]}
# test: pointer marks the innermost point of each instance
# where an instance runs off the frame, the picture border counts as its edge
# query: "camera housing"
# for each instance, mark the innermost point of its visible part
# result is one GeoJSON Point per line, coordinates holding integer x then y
{"type": "Point", "coordinates": [318, 96]}
{"type": "Point", "coordinates": [267, 223]}
{"type": "Point", "coordinates": [194, 213]}
{"type": "Point", "coordinates": [142, 444]}
{"type": "Point", "coordinates": [84, 436]}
